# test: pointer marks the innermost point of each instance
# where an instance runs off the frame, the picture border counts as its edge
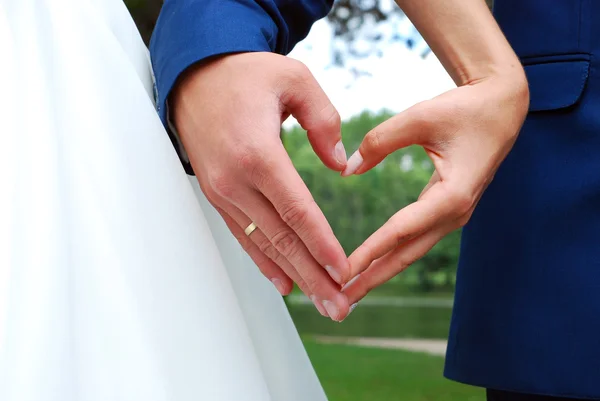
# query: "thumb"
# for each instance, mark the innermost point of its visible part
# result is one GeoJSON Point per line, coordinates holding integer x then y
{"type": "Point", "coordinates": [407, 128]}
{"type": "Point", "coordinates": [308, 103]}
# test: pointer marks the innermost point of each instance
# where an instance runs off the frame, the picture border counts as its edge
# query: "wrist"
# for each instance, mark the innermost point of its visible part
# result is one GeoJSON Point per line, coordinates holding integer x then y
{"type": "Point", "coordinates": [505, 66]}
{"type": "Point", "coordinates": [189, 76]}
{"type": "Point", "coordinates": [511, 81]}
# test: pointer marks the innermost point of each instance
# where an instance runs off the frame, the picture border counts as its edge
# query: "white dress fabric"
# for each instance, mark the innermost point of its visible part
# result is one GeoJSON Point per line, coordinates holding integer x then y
{"type": "Point", "coordinates": [118, 281]}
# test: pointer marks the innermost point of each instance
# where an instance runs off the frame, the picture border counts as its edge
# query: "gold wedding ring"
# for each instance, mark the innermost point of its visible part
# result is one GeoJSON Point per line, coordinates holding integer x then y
{"type": "Point", "coordinates": [250, 229]}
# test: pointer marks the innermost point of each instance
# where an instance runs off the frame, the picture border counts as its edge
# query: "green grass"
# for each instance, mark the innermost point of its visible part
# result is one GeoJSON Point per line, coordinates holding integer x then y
{"type": "Point", "coordinates": [350, 373]}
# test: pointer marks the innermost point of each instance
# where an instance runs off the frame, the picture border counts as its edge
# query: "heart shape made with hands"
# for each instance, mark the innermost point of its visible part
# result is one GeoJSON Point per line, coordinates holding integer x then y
{"type": "Point", "coordinates": [466, 132]}
{"type": "Point", "coordinates": [247, 175]}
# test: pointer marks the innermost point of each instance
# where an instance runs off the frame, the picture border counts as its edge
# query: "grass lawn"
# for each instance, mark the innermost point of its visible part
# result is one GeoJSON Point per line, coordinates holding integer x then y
{"type": "Point", "coordinates": [350, 373]}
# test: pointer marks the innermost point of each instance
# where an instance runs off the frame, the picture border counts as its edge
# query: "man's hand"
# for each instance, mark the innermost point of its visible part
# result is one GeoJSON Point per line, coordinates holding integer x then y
{"type": "Point", "coordinates": [467, 132]}
{"type": "Point", "coordinates": [228, 113]}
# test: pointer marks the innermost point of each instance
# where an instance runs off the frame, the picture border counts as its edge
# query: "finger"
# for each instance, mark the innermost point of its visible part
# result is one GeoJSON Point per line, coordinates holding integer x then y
{"type": "Point", "coordinates": [402, 130]}
{"type": "Point", "coordinates": [281, 238]}
{"type": "Point", "coordinates": [269, 269]}
{"type": "Point", "coordinates": [285, 190]}
{"type": "Point", "coordinates": [237, 223]}
{"type": "Point", "coordinates": [308, 103]}
{"type": "Point", "coordinates": [257, 238]}
{"type": "Point", "coordinates": [410, 222]}
{"type": "Point", "coordinates": [249, 243]}
{"type": "Point", "coordinates": [393, 263]}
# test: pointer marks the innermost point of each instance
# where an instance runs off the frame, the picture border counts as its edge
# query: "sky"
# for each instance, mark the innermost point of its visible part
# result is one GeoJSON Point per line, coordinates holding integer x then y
{"type": "Point", "coordinates": [399, 79]}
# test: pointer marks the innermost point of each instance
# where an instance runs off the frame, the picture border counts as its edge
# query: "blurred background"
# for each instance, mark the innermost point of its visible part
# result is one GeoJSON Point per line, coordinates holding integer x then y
{"type": "Point", "coordinates": [372, 63]}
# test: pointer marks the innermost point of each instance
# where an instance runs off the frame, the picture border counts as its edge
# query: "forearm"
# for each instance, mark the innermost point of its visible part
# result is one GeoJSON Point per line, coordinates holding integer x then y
{"type": "Point", "coordinates": [465, 37]}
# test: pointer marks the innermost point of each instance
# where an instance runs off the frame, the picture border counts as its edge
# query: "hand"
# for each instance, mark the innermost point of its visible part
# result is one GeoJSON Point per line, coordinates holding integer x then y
{"type": "Point", "coordinates": [228, 113]}
{"type": "Point", "coordinates": [467, 132]}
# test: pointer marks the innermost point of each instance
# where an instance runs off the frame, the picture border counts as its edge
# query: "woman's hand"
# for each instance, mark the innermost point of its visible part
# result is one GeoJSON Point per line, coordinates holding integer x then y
{"type": "Point", "coordinates": [467, 132]}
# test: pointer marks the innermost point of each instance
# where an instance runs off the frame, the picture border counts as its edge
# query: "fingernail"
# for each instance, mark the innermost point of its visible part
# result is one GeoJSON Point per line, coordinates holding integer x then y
{"type": "Point", "coordinates": [354, 163]}
{"type": "Point", "coordinates": [352, 307]}
{"type": "Point", "coordinates": [279, 285]}
{"type": "Point", "coordinates": [332, 310]}
{"type": "Point", "coordinates": [340, 153]}
{"type": "Point", "coordinates": [319, 306]}
{"type": "Point", "coordinates": [335, 275]}
{"type": "Point", "coordinates": [349, 283]}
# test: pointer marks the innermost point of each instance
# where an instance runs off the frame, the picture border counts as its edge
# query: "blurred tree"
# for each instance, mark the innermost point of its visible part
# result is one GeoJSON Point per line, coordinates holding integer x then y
{"type": "Point", "coordinates": [362, 27]}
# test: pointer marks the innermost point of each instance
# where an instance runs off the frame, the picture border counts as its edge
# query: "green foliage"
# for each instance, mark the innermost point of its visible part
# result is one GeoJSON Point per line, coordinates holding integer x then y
{"type": "Point", "coordinates": [350, 373]}
{"type": "Point", "coordinates": [357, 206]}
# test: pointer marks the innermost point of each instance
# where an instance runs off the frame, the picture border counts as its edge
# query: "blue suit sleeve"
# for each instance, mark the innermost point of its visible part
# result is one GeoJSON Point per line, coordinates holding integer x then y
{"type": "Point", "coordinates": [190, 31]}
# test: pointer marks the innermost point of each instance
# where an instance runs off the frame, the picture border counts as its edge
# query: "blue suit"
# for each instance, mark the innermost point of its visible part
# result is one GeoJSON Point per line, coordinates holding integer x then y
{"type": "Point", "coordinates": [527, 307]}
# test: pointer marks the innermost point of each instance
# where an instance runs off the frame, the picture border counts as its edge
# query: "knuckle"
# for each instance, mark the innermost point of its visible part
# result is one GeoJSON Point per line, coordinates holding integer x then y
{"type": "Point", "coordinates": [399, 233]}
{"type": "Point", "coordinates": [372, 142]}
{"type": "Point", "coordinates": [295, 215]}
{"type": "Point", "coordinates": [278, 258]}
{"type": "Point", "coordinates": [298, 71]}
{"type": "Point", "coordinates": [332, 121]}
{"type": "Point", "coordinates": [401, 237]}
{"type": "Point", "coordinates": [246, 159]}
{"type": "Point", "coordinates": [266, 247]}
{"type": "Point", "coordinates": [293, 77]}
{"type": "Point", "coordinates": [461, 200]}
{"type": "Point", "coordinates": [220, 184]}
{"type": "Point", "coordinates": [286, 242]}
{"type": "Point", "coordinates": [367, 254]}
{"type": "Point", "coordinates": [253, 165]}
{"type": "Point", "coordinates": [315, 286]}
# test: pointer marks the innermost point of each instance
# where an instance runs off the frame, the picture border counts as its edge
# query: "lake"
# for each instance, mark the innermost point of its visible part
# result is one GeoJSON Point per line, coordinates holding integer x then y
{"type": "Point", "coordinates": [391, 318]}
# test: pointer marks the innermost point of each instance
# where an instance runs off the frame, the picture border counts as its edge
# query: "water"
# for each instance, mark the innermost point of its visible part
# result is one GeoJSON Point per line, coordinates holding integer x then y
{"type": "Point", "coordinates": [399, 318]}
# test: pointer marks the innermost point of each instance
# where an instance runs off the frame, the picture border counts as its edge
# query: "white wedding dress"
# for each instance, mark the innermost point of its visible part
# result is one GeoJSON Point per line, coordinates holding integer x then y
{"type": "Point", "coordinates": [118, 282]}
